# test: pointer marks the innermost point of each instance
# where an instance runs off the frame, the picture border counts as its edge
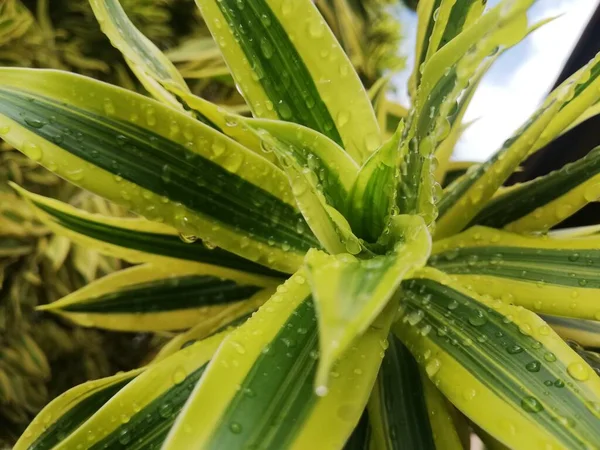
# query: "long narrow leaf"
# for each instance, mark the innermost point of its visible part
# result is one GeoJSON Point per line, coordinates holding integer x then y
{"type": "Point", "coordinates": [193, 177]}
{"type": "Point", "coordinates": [350, 293]}
{"type": "Point", "coordinates": [260, 384]}
{"type": "Point", "coordinates": [552, 276]}
{"type": "Point", "coordinates": [292, 69]}
{"type": "Point", "coordinates": [537, 391]}
{"type": "Point", "coordinates": [150, 298]}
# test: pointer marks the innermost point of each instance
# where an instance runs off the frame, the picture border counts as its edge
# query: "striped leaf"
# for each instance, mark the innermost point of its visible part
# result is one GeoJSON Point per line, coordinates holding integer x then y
{"type": "Point", "coordinates": [361, 436]}
{"type": "Point", "coordinates": [293, 70]}
{"type": "Point", "coordinates": [537, 392]}
{"type": "Point", "coordinates": [226, 321]}
{"type": "Point", "coordinates": [336, 171]}
{"type": "Point", "coordinates": [584, 332]}
{"type": "Point", "coordinates": [397, 409]}
{"type": "Point", "coordinates": [66, 413]}
{"type": "Point", "coordinates": [436, 103]}
{"type": "Point", "coordinates": [158, 75]}
{"type": "Point", "coordinates": [552, 276]}
{"type": "Point", "coordinates": [313, 188]}
{"type": "Point", "coordinates": [154, 298]}
{"type": "Point", "coordinates": [350, 293]}
{"type": "Point", "coordinates": [582, 103]}
{"type": "Point", "coordinates": [449, 431]}
{"type": "Point", "coordinates": [260, 384]}
{"type": "Point", "coordinates": [373, 195]}
{"type": "Point", "coordinates": [540, 204]}
{"type": "Point", "coordinates": [193, 177]}
{"type": "Point", "coordinates": [138, 240]}
{"type": "Point", "coordinates": [439, 22]}
{"type": "Point", "coordinates": [466, 198]}
{"type": "Point", "coordinates": [140, 414]}
{"type": "Point", "coordinates": [454, 171]}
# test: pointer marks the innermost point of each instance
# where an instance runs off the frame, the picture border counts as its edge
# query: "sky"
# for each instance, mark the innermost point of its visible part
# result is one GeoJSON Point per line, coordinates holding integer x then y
{"type": "Point", "coordinates": [517, 83]}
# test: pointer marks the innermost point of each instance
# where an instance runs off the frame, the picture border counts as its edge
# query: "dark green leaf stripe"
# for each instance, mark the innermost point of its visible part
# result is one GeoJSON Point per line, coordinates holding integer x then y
{"type": "Point", "coordinates": [576, 268]}
{"type": "Point", "coordinates": [167, 295]}
{"type": "Point", "coordinates": [403, 400]}
{"type": "Point", "coordinates": [425, 44]}
{"type": "Point", "coordinates": [360, 437]}
{"type": "Point", "coordinates": [523, 200]}
{"type": "Point", "coordinates": [515, 366]}
{"type": "Point", "coordinates": [148, 428]}
{"type": "Point", "coordinates": [154, 243]}
{"type": "Point", "coordinates": [412, 166]}
{"type": "Point", "coordinates": [328, 177]}
{"type": "Point", "coordinates": [458, 190]}
{"type": "Point", "coordinates": [238, 321]}
{"type": "Point", "coordinates": [74, 417]}
{"type": "Point", "coordinates": [452, 175]}
{"type": "Point", "coordinates": [456, 21]}
{"type": "Point", "coordinates": [282, 74]}
{"type": "Point", "coordinates": [280, 385]}
{"type": "Point", "coordinates": [124, 25]}
{"type": "Point", "coordinates": [169, 168]}
{"type": "Point", "coordinates": [594, 74]}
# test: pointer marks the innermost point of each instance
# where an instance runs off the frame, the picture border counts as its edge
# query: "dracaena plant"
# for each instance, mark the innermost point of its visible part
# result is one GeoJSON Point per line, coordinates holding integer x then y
{"type": "Point", "coordinates": [329, 292]}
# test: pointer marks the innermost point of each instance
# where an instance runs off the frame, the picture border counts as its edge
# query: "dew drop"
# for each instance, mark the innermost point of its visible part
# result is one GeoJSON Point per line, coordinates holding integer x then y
{"type": "Point", "coordinates": [533, 366]}
{"type": "Point", "coordinates": [179, 376]}
{"type": "Point", "coordinates": [266, 48]}
{"type": "Point", "coordinates": [32, 150]}
{"type": "Point", "coordinates": [235, 427]}
{"type": "Point", "coordinates": [124, 436]}
{"type": "Point", "coordinates": [578, 371]}
{"type": "Point", "coordinates": [284, 110]}
{"type": "Point", "coordinates": [432, 367]}
{"type": "Point", "coordinates": [343, 118]}
{"type": "Point", "coordinates": [35, 123]}
{"type": "Point", "coordinates": [531, 404]}
{"type": "Point", "coordinates": [321, 391]}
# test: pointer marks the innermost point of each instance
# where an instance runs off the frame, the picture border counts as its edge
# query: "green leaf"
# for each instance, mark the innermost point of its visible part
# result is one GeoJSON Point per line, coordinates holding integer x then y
{"type": "Point", "coordinates": [336, 171]}
{"type": "Point", "coordinates": [66, 413]}
{"type": "Point", "coordinates": [435, 104]}
{"type": "Point", "coordinates": [553, 276]}
{"type": "Point", "coordinates": [560, 109]}
{"type": "Point", "coordinates": [440, 21]}
{"type": "Point", "coordinates": [141, 413]}
{"type": "Point", "coordinates": [139, 240]}
{"type": "Point", "coordinates": [158, 75]}
{"type": "Point", "coordinates": [260, 382]}
{"type": "Point", "coordinates": [350, 293]}
{"type": "Point", "coordinates": [479, 352]}
{"type": "Point", "coordinates": [373, 195]}
{"type": "Point", "coordinates": [193, 178]}
{"type": "Point", "coordinates": [540, 204]}
{"type": "Point", "coordinates": [397, 409]}
{"type": "Point", "coordinates": [311, 187]}
{"type": "Point", "coordinates": [293, 70]}
{"type": "Point", "coordinates": [151, 298]}
{"type": "Point", "coordinates": [583, 101]}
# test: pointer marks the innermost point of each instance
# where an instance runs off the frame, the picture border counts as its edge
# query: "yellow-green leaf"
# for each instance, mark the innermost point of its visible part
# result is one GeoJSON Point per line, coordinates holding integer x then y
{"type": "Point", "coordinates": [552, 276]}
{"type": "Point", "coordinates": [155, 298]}
{"type": "Point", "coordinates": [193, 177]}
{"type": "Point", "coordinates": [294, 70]}
{"type": "Point", "coordinates": [350, 293]}
{"type": "Point", "coordinates": [537, 392]}
{"type": "Point", "coordinates": [260, 384]}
